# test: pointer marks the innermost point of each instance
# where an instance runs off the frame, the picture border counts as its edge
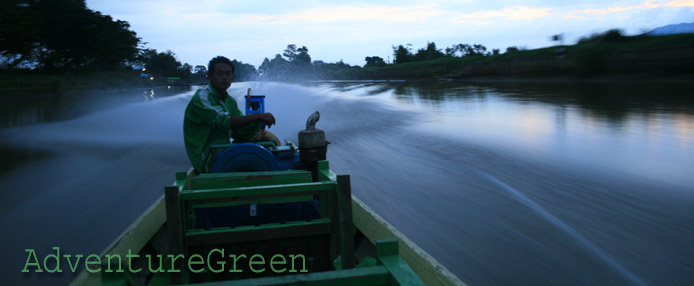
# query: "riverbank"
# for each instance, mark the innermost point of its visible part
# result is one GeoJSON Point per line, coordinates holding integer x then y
{"type": "Point", "coordinates": [623, 58]}
{"type": "Point", "coordinates": [21, 82]}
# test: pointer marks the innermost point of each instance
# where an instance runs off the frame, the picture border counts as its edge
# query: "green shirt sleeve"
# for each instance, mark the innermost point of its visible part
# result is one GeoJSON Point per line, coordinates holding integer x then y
{"type": "Point", "coordinates": [205, 111]}
{"type": "Point", "coordinates": [204, 124]}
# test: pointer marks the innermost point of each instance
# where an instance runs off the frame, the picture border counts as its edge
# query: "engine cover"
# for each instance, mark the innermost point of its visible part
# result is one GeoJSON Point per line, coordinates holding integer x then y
{"type": "Point", "coordinates": [245, 157]}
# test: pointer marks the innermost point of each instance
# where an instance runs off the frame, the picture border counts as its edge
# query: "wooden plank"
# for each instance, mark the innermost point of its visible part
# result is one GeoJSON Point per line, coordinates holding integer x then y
{"type": "Point", "coordinates": [344, 201]}
{"type": "Point", "coordinates": [261, 191]}
{"type": "Point", "coordinates": [245, 174]}
{"type": "Point", "coordinates": [253, 233]}
{"type": "Point", "coordinates": [387, 253]}
{"type": "Point", "coordinates": [174, 229]}
{"type": "Point", "coordinates": [324, 172]}
{"type": "Point", "coordinates": [335, 216]}
{"type": "Point", "coordinates": [292, 199]}
{"type": "Point", "coordinates": [251, 199]}
{"type": "Point", "coordinates": [376, 228]}
{"type": "Point", "coordinates": [377, 275]}
{"type": "Point", "coordinates": [247, 179]}
{"type": "Point", "coordinates": [189, 177]}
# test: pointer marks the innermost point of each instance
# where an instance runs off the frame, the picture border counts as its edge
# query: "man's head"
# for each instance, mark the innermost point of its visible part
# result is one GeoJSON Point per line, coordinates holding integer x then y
{"type": "Point", "coordinates": [220, 72]}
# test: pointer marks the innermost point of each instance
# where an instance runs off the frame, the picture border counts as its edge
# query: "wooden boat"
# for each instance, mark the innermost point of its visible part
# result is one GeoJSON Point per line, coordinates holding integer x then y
{"type": "Point", "coordinates": [401, 261]}
{"type": "Point", "coordinates": [347, 244]}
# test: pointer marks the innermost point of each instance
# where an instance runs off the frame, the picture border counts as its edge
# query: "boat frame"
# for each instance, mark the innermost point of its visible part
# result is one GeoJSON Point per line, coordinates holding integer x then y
{"type": "Point", "coordinates": [352, 224]}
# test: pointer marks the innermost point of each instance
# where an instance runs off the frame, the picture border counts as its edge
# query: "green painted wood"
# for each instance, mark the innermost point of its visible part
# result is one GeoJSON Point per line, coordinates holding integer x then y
{"type": "Point", "coordinates": [181, 178]}
{"type": "Point", "coordinates": [292, 199]}
{"type": "Point", "coordinates": [387, 253]}
{"type": "Point", "coordinates": [335, 216]}
{"type": "Point", "coordinates": [377, 275]}
{"type": "Point", "coordinates": [247, 179]}
{"type": "Point", "coordinates": [376, 228]}
{"type": "Point", "coordinates": [346, 232]}
{"type": "Point", "coordinates": [259, 191]}
{"type": "Point", "coordinates": [387, 247]}
{"type": "Point", "coordinates": [366, 221]}
{"type": "Point", "coordinates": [255, 233]}
{"type": "Point", "coordinates": [324, 172]}
{"type": "Point", "coordinates": [174, 227]}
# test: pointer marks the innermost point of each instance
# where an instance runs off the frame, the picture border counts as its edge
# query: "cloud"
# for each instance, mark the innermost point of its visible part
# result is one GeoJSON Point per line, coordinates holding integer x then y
{"type": "Point", "coordinates": [681, 3]}
{"type": "Point", "coordinates": [347, 13]}
{"type": "Point", "coordinates": [588, 13]}
{"type": "Point", "coordinates": [510, 13]}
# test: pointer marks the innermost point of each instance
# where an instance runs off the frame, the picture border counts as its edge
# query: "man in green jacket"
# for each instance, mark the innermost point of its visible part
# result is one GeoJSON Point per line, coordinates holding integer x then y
{"type": "Point", "coordinates": [212, 116]}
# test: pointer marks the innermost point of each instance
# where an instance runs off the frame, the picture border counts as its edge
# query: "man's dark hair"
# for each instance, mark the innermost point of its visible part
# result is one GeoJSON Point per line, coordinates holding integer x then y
{"type": "Point", "coordinates": [219, 60]}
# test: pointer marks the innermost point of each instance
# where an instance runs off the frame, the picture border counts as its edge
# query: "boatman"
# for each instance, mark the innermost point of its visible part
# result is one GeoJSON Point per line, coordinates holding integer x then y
{"type": "Point", "coordinates": [212, 116]}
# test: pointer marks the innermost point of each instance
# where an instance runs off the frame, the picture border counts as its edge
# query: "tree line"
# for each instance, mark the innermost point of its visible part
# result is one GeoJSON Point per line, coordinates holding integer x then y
{"type": "Point", "coordinates": [62, 35]}
{"type": "Point", "coordinates": [295, 63]}
{"type": "Point", "coordinates": [59, 36]}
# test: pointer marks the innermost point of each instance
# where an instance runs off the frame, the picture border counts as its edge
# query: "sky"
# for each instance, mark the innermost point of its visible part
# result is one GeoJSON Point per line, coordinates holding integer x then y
{"type": "Point", "coordinates": [250, 31]}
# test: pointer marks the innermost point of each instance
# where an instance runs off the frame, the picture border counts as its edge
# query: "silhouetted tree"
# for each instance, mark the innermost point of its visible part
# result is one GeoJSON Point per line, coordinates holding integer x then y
{"type": "Point", "coordinates": [162, 64]}
{"type": "Point", "coordinates": [63, 35]}
{"type": "Point", "coordinates": [277, 69]}
{"type": "Point", "coordinates": [512, 49]}
{"type": "Point", "coordinates": [477, 50]}
{"type": "Point", "coordinates": [456, 50]}
{"type": "Point", "coordinates": [244, 72]}
{"type": "Point", "coordinates": [401, 55]}
{"type": "Point", "coordinates": [302, 58]}
{"type": "Point", "coordinates": [428, 53]}
{"type": "Point", "coordinates": [610, 36]}
{"type": "Point", "coordinates": [199, 73]}
{"type": "Point", "coordinates": [290, 52]}
{"type": "Point", "coordinates": [264, 67]}
{"type": "Point", "coordinates": [296, 65]}
{"type": "Point", "coordinates": [464, 50]}
{"type": "Point", "coordinates": [185, 72]}
{"type": "Point", "coordinates": [374, 61]}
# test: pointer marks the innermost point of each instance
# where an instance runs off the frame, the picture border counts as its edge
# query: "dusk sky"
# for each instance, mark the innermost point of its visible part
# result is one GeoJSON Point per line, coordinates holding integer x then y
{"type": "Point", "coordinates": [250, 31]}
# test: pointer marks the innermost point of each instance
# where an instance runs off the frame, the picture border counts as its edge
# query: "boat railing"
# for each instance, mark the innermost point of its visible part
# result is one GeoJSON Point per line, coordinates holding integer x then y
{"type": "Point", "coordinates": [321, 241]}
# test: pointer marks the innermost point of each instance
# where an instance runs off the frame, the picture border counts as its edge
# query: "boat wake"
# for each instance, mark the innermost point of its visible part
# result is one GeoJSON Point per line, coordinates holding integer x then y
{"type": "Point", "coordinates": [583, 241]}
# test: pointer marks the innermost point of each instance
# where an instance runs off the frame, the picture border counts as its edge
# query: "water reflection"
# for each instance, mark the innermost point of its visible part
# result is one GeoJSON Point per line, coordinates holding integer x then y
{"type": "Point", "coordinates": [16, 157]}
{"type": "Point", "coordinates": [149, 94]}
{"type": "Point", "coordinates": [632, 127]}
{"type": "Point", "coordinates": [610, 100]}
{"type": "Point", "coordinates": [29, 108]}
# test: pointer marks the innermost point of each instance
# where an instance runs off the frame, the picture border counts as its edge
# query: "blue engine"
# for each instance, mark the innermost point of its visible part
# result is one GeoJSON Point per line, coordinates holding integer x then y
{"type": "Point", "coordinates": [265, 155]}
{"type": "Point", "coordinates": [251, 157]}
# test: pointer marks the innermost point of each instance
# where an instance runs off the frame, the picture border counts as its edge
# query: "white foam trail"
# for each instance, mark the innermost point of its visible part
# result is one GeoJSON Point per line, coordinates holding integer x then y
{"type": "Point", "coordinates": [633, 279]}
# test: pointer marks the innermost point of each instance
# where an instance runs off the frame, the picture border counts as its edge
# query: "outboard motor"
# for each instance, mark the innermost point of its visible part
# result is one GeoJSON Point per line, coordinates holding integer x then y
{"type": "Point", "coordinates": [312, 143]}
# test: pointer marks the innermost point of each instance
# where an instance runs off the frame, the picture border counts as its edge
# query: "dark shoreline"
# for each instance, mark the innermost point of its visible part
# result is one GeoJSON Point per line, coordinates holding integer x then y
{"type": "Point", "coordinates": [684, 79]}
{"type": "Point", "coordinates": [62, 83]}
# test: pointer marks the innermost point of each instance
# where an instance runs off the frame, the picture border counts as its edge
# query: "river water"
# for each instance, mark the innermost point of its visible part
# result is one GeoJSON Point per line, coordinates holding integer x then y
{"type": "Point", "coordinates": [503, 183]}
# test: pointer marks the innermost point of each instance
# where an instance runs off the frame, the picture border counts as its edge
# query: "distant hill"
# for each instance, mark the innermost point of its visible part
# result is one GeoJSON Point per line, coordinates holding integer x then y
{"type": "Point", "coordinates": [683, 28]}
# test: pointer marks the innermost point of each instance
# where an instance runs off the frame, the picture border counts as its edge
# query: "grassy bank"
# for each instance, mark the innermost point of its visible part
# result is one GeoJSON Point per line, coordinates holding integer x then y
{"type": "Point", "coordinates": [637, 57]}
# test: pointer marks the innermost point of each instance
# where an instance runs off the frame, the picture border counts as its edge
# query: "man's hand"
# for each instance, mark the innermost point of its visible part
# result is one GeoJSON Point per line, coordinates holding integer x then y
{"type": "Point", "coordinates": [239, 121]}
{"type": "Point", "coordinates": [269, 119]}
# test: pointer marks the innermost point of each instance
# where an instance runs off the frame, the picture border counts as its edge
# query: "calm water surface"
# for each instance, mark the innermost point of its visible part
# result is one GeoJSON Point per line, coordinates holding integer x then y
{"type": "Point", "coordinates": [503, 183]}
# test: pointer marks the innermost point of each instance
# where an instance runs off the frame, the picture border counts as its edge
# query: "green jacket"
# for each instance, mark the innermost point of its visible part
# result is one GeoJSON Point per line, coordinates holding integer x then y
{"type": "Point", "coordinates": [206, 123]}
